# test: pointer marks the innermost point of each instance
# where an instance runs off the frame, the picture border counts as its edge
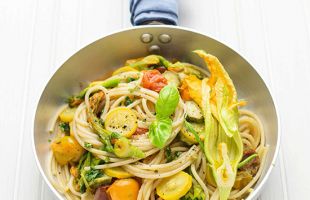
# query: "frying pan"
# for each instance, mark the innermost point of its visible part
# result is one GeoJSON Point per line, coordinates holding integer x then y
{"type": "Point", "coordinates": [110, 52]}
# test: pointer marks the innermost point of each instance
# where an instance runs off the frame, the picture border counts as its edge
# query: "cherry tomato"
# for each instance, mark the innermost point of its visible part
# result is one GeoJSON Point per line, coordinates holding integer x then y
{"type": "Point", "coordinates": [161, 69]}
{"type": "Point", "coordinates": [153, 80]}
{"type": "Point", "coordinates": [124, 189]}
{"type": "Point", "coordinates": [141, 131]}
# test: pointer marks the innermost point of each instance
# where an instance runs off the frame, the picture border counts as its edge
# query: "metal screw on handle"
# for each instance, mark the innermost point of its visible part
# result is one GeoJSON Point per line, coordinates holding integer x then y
{"type": "Point", "coordinates": [146, 38]}
{"type": "Point", "coordinates": [164, 38]}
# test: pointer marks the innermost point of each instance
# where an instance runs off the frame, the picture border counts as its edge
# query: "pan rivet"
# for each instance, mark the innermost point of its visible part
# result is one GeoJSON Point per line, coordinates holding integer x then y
{"type": "Point", "coordinates": [146, 38]}
{"type": "Point", "coordinates": [154, 49]}
{"type": "Point", "coordinates": [164, 38]}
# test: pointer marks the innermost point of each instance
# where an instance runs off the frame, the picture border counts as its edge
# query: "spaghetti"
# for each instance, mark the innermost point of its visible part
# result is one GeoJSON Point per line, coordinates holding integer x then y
{"type": "Point", "coordinates": [95, 157]}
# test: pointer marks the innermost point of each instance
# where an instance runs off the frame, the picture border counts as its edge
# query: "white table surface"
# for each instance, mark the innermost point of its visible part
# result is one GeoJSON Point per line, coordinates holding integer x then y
{"type": "Point", "coordinates": [36, 37]}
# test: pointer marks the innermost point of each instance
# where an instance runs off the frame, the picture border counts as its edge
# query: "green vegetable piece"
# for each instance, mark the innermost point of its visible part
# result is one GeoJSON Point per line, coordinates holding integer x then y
{"type": "Point", "coordinates": [247, 160]}
{"type": "Point", "coordinates": [109, 83]}
{"type": "Point", "coordinates": [93, 178]}
{"type": "Point", "coordinates": [104, 135]}
{"type": "Point", "coordinates": [167, 101]}
{"type": "Point", "coordinates": [145, 62]}
{"type": "Point", "coordinates": [78, 99]}
{"type": "Point", "coordinates": [193, 112]}
{"type": "Point", "coordinates": [159, 131]}
{"type": "Point", "coordinates": [130, 79]}
{"type": "Point", "coordinates": [223, 152]}
{"type": "Point", "coordinates": [192, 130]}
{"type": "Point", "coordinates": [172, 78]}
{"type": "Point", "coordinates": [228, 116]}
{"type": "Point", "coordinates": [99, 181]}
{"type": "Point", "coordinates": [88, 145]}
{"type": "Point", "coordinates": [164, 61]}
{"type": "Point", "coordinates": [195, 193]}
{"type": "Point", "coordinates": [123, 149]}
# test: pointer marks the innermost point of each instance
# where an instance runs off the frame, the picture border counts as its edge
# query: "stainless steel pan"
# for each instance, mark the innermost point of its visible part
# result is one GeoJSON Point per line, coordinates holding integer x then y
{"type": "Point", "coordinates": [111, 51]}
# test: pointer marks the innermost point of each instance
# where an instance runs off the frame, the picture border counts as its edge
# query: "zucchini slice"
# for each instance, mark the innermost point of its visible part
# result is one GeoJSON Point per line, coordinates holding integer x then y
{"type": "Point", "coordinates": [188, 137]}
{"type": "Point", "coordinates": [194, 113]}
{"type": "Point", "coordinates": [172, 78]}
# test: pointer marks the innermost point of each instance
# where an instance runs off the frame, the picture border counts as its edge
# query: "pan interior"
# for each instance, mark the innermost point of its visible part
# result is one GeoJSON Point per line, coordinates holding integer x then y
{"type": "Point", "coordinates": [101, 57]}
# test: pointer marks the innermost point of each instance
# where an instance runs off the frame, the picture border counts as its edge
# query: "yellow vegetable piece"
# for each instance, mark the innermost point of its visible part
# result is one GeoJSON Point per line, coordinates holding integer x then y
{"type": "Point", "coordinates": [121, 120]}
{"type": "Point", "coordinates": [174, 187]}
{"type": "Point", "coordinates": [124, 189]}
{"type": "Point", "coordinates": [188, 137]}
{"type": "Point", "coordinates": [67, 149]}
{"type": "Point", "coordinates": [67, 115]}
{"type": "Point", "coordinates": [218, 71]}
{"type": "Point", "coordinates": [193, 84]}
{"type": "Point", "coordinates": [117, 172]}
{"type": "Point", "coordinates": [124, 69]}
{"type": "Point", "coordinates": [71, 129]}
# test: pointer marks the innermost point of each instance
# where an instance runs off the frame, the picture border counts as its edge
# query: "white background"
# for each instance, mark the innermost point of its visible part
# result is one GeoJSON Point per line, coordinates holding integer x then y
{"type": "Point", "coordinates": [37, 36]}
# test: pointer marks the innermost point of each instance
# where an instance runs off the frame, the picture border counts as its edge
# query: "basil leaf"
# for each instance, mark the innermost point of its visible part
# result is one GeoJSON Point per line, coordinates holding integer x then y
{"type": "Point", "coordinates": [160, 131]}
{"type": "Point", "coordinates": [167, 101]}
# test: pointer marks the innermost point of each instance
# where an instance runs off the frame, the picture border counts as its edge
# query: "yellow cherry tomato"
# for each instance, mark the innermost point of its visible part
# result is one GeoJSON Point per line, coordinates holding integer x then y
{"type": "Point", "coordinates": [117, 172]}
{"type": "Point", "coordinates": [124, 189]}
{"type": "Point", "coordinates": [124, 69]}
{"type": "Point", "coordinates": [67, 149]}
{"type": "Point", "coordinates": [121, 120]}
{"type": "Point", "coordinates": [67, 115]}
{"type": "Point", "coordinates": [174, 187]}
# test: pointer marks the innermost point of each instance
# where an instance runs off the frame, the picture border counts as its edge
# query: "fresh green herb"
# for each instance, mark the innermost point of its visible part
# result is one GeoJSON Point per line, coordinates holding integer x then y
{"type": "Point", "coordinates": [191, 129]}
{"type": "Point", "coordinates": [247, 160]}
{"type": "Point", "coordinates": [92, 174]}
{"type": "Point", "coordinates": [88, 145]}
{"type": "Point", "coordinates": [167, 101]}
{"type": "Point", "coordinates": [170, 156]}
{"type": "Point", "coordinates": [128, 101]}
{"type": "Point", "coordinates": [161, 128]}
{"type": "Point", "coordinates": [159, 131]}
{"type": "Point", "coordinates": [64, 127]}
{"type": "Point", "coordinates": [49, 140]}
{"type": "Point", "coordinates": [130, 79]}
{"type": "Point", "coordinates": [92, 178]}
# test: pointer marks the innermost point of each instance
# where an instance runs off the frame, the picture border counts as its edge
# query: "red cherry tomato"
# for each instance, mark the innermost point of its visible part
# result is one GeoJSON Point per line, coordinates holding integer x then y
{"type": "Point", "coordinates": [140, 131]}
{"type": "Point", "coordinates": [153, 80]}
{"type": "Point", "coordinates": [161, 69]}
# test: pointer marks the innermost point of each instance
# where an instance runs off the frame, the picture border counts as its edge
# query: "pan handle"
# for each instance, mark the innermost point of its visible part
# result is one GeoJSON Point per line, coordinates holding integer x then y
{"type": "Point", "coordinates": [151, 12]}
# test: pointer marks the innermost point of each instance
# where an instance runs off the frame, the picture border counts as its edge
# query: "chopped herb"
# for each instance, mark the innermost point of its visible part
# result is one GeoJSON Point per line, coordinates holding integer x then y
{"type": "Point", "coordinates": [92, 174]}
{"type": "Point", "coordinates": [130, 79]}
{"type": "Point", "coordinates": [64, 127]}
{"type": "Point", "coordinates": [170, 156]}
{"type": "Point", "coordinates": [93, 178]}
{"type": "Point", "coordinates": [88, 145]}
{"type": "Point", "coordinates": [49, 140]}
{"type": "Point", "coordinates": [128, 101]}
